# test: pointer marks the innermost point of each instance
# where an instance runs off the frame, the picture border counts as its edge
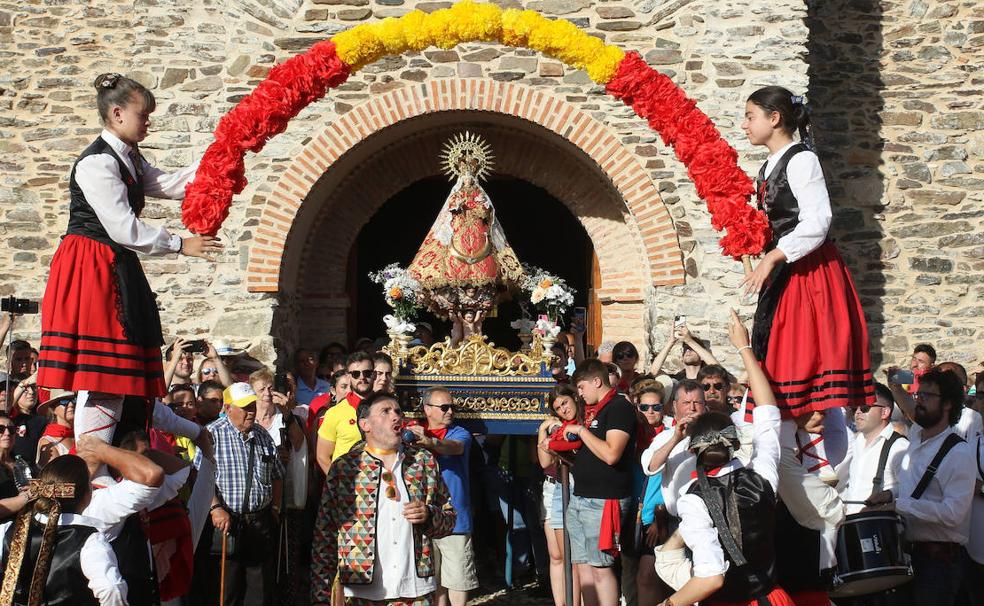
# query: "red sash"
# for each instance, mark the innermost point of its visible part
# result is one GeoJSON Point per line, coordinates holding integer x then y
{"type": "Point", "coordinates": [168, 529]}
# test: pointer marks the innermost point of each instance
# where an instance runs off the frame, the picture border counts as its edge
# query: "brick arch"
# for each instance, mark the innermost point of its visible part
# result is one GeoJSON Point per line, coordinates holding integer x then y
{"type": "Point", "coordinates": [654, 237]}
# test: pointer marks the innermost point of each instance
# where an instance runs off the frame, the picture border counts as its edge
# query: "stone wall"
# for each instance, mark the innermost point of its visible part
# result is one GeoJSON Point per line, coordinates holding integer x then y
{"type": "Point", "coordinates": [898, 120]}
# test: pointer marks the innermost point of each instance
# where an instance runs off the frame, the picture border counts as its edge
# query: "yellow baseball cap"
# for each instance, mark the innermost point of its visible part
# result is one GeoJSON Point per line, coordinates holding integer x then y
{"type": "Point", "coordinates": [239, 395]}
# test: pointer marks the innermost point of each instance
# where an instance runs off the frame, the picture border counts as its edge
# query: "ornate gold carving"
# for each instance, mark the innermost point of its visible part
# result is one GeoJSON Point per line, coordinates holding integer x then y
{"type": "Point", "coordinates": [475, 356]}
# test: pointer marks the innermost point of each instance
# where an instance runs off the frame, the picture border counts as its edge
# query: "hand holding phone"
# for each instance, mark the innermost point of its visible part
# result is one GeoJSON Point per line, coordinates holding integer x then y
{"type": "Point", "coordinates": [197, 346]}
{"type": "Point", "coordinates": [899, 376]}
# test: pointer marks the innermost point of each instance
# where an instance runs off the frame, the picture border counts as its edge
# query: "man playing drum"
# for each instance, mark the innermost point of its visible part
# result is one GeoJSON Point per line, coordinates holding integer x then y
{"type": "Point", "coordinates": [936, 487]}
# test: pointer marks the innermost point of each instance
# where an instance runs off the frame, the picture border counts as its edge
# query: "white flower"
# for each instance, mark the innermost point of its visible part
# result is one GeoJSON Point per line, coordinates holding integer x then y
{"type": "Point", "coordinates": [538, 295]}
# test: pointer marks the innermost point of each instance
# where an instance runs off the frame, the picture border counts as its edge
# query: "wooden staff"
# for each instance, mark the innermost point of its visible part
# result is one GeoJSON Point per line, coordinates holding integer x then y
{"type": "Point", "coordinates": [222, 571]}
{"type": "Point", "coordinates": [746, 262]}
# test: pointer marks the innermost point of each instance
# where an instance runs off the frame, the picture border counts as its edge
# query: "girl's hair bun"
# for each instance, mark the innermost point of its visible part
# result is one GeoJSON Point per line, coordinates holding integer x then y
{"type": "Point", "coordinates": [106, 80]}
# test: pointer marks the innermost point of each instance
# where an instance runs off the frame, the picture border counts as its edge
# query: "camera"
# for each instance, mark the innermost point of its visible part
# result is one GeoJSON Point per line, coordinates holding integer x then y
{"type": "Point", "coordinates": [197, 346]}
{"type": "Point", "coordinates": [280, 383]}
{"type": "Point", "coordinates": [902, 377]}
{"type": "Point", "coordinates": [18, 306]}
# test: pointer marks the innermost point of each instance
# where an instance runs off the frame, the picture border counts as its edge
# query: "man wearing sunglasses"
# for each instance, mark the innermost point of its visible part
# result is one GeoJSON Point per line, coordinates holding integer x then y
{"type": "Point", "coordinates": [716, 382]}
{"type": "Point", "coordinates": [451, 444]}
{"type": "Point", "coordinates": [376, 525]}
{"type": "Point", "coordinates": [874, 433]}
{"type": "Point", "coordinates": [339, 431]}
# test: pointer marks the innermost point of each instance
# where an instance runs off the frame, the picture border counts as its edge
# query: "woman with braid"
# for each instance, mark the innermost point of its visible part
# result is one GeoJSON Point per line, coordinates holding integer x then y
{"type": "Point", "coordinates": [53, 555]}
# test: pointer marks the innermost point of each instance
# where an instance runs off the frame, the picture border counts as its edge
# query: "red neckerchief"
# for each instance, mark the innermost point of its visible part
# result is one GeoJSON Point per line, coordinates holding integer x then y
{"type": "Point", "coordinates": [659, 429]}
{"type": "Point", "coordinates": [592, 412]}
{"type": "Point", "coordinates": [559, 442]}
{"type": "Point", "coordinates": [435, 433]}
{"type": "Point", "coordinates": [353, 399]}
{"type": "Point", "coordinates": [54, 430]}
{"type": "Point", "coordinates": [644, 436]}
{"type": "Point", "coordinates": [711, 472]}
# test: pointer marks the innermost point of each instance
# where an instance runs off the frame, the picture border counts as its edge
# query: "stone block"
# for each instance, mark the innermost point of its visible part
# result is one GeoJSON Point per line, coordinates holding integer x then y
{"type": "Point", "coordinates": [551, 69]}
{"type": "Point", "coordinates": [469, 70]}
{"type": "Point", "coordinates": [28, 243]}
{"type": "Point", "coordinates": [614, 12]}
{"type": "Point", "coordinates": [901, 118]}
{"type": "Point", "coordinates": [526, 64]}
{"type": "Point", "coordinates": [936, 265]}
{"type": "Point", "coordinates": [969, 121]}
{"type": "Point", "coordinates": [208, 84]}
{"type": "Point", "coordinates": [662, 56]}
{"type": "Point", "coordinates": [430, 7]}
{"type": "Point", "coordinates": [354, 14]}
{"type": "Point", "coordinates": [931, 196]}
{"type": "Point", "coordinates": [442, 56]}
{"type": "Point", "coordinates": [295, 43]}
{"type": "Point", "coordinates": [316, 14]}
{"type": "Point", "coordinates": [619, 26]}
{"type": "Point", "coordinates": [932, 230]}
{"type": "Point", "coordinates": [559, 7]}
{"type": "Point", "coordinates": [486, 54]}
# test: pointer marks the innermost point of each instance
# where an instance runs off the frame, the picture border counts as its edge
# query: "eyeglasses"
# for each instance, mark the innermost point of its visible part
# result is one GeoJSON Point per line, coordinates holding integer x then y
{"type": "Point", "coordinates": [864, 408]}
{"type": "Point", "coordinates": [358, 374]}
{"type": "Point", "coordinates": [648, 407]}
{"type": "Point", "coordinates": [625, 355]}
{"type": "Point", "coordinates": [7, 429]}
{"type": "Point", "coordinates": [391, 492]}
{"type": "Point", "coordinates": [716, 386]}
{"type": "Point", "coordinates": [443, 407]}
{"type": "Point", "coordinates": [921, 396]}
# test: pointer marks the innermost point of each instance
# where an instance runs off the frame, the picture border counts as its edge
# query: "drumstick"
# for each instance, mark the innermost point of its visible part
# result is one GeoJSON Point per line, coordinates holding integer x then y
{"type": "Point", "coordinates": [854, 502]}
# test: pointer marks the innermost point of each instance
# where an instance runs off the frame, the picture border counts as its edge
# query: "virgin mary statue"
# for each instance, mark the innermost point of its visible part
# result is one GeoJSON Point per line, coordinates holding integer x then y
{"type": "Point", "coordinates": [465, 261]}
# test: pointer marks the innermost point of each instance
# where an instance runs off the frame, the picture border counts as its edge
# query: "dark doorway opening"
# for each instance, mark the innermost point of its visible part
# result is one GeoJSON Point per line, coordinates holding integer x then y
{"type": "Point", "coordinates": [539, 228]}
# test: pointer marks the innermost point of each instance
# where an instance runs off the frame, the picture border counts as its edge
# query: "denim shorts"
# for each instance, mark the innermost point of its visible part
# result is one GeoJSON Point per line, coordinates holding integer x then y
{"type": "Point", "coordinates": [556, 516]}
{"type": "Point", "coordinates": [584, 527]}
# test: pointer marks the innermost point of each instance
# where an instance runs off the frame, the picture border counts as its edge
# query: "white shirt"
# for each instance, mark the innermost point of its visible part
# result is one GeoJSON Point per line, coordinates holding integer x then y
{"type": "Point", "coordinates": [943, 511]}
{"type": "Point", "coordinates": [112, 505]}
{"type": "Point", "coordinates": [681, 462]}
{"type": "Point", "coordinates": [808, 186]}
{"type": "Point", "coordinates": [395, 568]}
{"type": "Point", "coordinates": [970, 424]}
{"type": "Point", "coordinates": [168, 421]}
{"type": "Point", "coordinates": [102, 183]}
{"type": "Point", "coordinates": [97, 559]}
{"type": "Point", "coordinates": [975, 546]}
{"type": "Point", "coordinates": [696, 526]}
{"type": "Point", "coordinates": [864, 464]}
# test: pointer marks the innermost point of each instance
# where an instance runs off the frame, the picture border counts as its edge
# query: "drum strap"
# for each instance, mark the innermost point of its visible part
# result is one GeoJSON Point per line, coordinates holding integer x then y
{"type": "Point", "coordinates": [951, 441]}
{"type": "Point", "coordinates": [883, 460]}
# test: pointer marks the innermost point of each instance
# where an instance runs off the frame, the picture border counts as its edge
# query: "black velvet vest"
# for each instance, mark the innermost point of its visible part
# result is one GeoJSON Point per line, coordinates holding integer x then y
{"type": "Point", "coordinates": [66, 585]}
{"type": "Point", "coordinates": [756, 504]}
{"type": "Point", "coordinates": [776, 198]}
{"type": "Point", "coordinates": [136, 568]}
{"type": "Point", "coordinates": [135, 302]}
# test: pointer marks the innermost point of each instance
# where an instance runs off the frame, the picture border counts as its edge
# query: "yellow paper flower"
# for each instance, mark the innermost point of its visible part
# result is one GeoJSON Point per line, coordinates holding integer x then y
{"type": "Point", "coordinates": [473, 22]}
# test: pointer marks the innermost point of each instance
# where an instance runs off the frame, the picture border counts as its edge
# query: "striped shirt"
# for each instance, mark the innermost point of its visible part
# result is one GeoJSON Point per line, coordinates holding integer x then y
{"type": "Point", "coordinates": [232, 448]}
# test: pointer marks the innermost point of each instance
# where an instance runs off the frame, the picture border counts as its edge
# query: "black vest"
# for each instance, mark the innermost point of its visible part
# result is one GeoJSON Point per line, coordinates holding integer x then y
{"type": "Point", "coordinates": [756, 503]}
{"type": "Point", "coordinates": [776, 198]}
{"type": "Point", "coordinates": [135, 302]}
{"type": "Point", "coordinates": [66, 585]}
{"type": "Point", "coordinates": [136, 568]}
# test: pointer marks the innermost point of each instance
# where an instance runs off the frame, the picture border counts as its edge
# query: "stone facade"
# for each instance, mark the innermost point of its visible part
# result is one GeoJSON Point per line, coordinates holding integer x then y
{"type": "Point", "coordinates": [898, 115]}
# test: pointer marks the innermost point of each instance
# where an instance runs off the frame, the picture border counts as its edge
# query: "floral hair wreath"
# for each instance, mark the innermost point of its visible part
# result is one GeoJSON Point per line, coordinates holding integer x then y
{"type": "Point", "coordinates": [110, 80]}
{"type": "Point", "coordinates": [711, 162]}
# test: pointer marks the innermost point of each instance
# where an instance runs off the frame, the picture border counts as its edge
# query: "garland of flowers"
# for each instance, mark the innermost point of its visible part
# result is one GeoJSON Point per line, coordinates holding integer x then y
{"type": "Point", "coordinates": [711, 163]}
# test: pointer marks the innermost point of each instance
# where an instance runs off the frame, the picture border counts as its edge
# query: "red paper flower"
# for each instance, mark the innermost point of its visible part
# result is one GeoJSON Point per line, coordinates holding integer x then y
{"type": "Point", "coordinates": [711, 162]}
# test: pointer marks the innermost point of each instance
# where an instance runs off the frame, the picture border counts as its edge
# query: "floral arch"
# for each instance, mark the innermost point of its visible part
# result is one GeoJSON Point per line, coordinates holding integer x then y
{"type": "Point", "coordinates": [711, 162]}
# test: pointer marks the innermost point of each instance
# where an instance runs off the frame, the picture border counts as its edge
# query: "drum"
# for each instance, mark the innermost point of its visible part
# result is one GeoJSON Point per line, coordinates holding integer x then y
{"type": "Point", "coordinates": [870, 558]}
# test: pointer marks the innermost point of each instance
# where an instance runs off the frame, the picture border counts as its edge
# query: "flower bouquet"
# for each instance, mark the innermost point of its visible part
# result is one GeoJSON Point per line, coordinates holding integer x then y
{"type": "Point", "coordinates": [402, 293]}
{"type": "Point", "coordinates": [549, 294]}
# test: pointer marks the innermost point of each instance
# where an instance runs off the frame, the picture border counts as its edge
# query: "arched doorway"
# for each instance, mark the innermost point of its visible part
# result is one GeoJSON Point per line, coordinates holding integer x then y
{"type": "Point", "coordinates": [308, 223]}
{"type": "Point", "coordinates": [540, 228]}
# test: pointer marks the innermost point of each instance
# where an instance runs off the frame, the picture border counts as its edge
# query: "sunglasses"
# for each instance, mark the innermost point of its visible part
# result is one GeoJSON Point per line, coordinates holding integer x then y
{"type": "Point", "coordinates": [443, 407]}
{"type": "Point", "coordinates": [864, 408]}
{"type": "Point", "coordinates": [358, 374]}
{"type": "Point", "coordinates": [210, 371]}
{"type": "Point", "coordinates": [733, 399]}
{"type": "Point", "coordinates": [648, 407]}
{"type": "Point", "coordinates": [391, 492]}
{"type": "Point", "coordinates": [716, 386]}
{"type": "Point", "coordinates": [7, 429]}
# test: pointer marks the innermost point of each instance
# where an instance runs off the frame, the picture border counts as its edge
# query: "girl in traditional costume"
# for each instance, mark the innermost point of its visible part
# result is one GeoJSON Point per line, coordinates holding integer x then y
{"type": "Point", "coordinates": [101, 331]}
{"type": "Point", "coordinates": [727, 512]}
{"type": "Point", "coordinates": [809, 332]}
{"type": "Point", "coordinates": [52, 554]}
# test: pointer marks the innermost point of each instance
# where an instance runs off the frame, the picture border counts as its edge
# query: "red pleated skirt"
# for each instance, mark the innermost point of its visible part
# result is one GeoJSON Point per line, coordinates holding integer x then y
{"type": "Point", "coordinates": [776, 597]}
{"type": "Point", "coordinates": [83, 345]}
{"type": "Point", "coordinates": [818, 356]}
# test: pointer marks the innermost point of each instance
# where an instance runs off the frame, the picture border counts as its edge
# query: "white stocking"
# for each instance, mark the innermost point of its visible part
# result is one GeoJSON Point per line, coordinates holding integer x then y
{"type": "Point", "coordinates": [97, 414]}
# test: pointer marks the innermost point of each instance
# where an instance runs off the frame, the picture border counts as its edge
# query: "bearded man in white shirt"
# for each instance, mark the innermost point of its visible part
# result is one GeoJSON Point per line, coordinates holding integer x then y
{"type": "Point", "coordinates": [875, 434]}
{"type": "Point", "coordinates": [935, 506]}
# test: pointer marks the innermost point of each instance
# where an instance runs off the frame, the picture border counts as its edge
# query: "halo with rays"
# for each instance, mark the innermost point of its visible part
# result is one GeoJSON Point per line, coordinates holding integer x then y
{"type": "Point", "coordinates": [470, 149]}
